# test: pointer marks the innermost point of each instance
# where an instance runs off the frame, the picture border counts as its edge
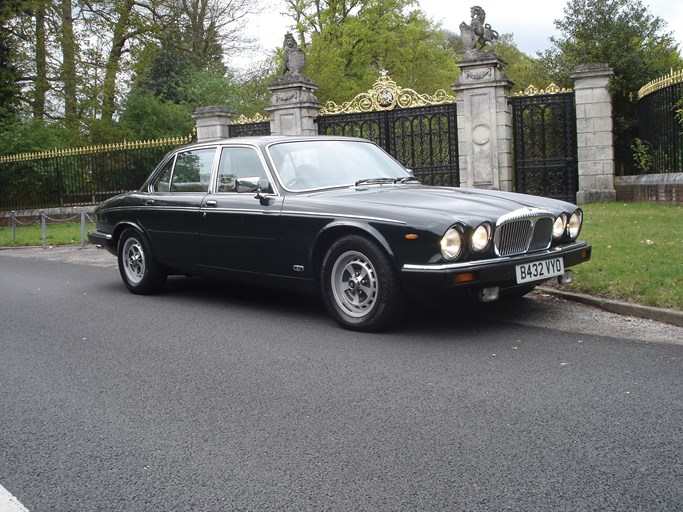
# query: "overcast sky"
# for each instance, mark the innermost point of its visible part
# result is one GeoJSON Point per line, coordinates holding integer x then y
{"type": "Point", "coordinates": [530, 21]}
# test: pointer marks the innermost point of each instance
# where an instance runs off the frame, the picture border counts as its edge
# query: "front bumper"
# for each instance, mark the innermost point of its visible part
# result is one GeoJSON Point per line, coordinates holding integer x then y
{"type": "Point", "coordinates": [476, 275]}
{"type": "Point", "coordinates": [103, 239]}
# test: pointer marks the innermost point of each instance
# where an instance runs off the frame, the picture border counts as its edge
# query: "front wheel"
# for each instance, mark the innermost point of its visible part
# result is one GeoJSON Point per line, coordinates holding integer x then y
{"type": "Point", "coordinates": [359, 285]}
{"type": "Point", "coordinates": [140, 273]}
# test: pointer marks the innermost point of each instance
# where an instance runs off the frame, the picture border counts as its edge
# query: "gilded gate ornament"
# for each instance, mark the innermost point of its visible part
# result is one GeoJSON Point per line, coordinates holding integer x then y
{"type": "Point", "coordinates": [532, 90]}
{"type": "Point", "coordinates": [673, 78]}
{"type": "Point", "coordinates": [257, 118]}
{"type": "Point", "coordinates": [386, 95]}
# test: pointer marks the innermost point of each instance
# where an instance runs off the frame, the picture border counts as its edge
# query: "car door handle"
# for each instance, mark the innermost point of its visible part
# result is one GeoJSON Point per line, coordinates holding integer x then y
{"type": "Point", "coordinates": [149, 202]}
{"type": "Point", "coordinates": [211, 203]}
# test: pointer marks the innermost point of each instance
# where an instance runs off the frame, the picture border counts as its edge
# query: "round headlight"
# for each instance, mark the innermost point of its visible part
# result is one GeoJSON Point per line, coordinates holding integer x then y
{"type": "Point", "coordinates": [574, 226]}
{"type": "Point", "coordinates": [559, 226]}
{"type": "Point", "coordinates": [481, 237]}
{"type": "Point", "coordinates": [451, 244]}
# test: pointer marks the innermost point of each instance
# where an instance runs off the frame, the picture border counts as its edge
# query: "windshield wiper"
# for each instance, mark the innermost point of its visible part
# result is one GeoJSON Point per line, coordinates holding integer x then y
{"type": "Point", "coordinates": [370, 181]}
{"type": "Point", "coordinates": [406, 179]}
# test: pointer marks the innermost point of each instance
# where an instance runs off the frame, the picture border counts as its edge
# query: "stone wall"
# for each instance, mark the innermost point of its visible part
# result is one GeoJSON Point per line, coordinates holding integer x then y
{"type": "Point", "coordinates": [662, 188]}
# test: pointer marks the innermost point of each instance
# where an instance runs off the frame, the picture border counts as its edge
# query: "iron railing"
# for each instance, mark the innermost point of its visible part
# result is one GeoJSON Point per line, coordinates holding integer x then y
{"type": "Point", "coordinates": [79, 176]}
{"type": "Point", "coordinates": [658, 127]}
{"type": "Point", "coordinates": [545, 148]}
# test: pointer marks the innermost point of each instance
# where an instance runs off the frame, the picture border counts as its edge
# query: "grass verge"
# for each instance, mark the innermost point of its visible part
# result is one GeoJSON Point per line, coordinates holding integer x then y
{"type": "Point", "coordinates": [65, 233]}
{"type": "Point", "coordinates": [636, 256]}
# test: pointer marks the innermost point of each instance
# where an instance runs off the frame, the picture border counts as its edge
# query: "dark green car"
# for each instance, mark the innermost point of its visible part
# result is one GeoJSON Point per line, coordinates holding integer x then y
{"type": "Point", "coordinates": [336, 216]}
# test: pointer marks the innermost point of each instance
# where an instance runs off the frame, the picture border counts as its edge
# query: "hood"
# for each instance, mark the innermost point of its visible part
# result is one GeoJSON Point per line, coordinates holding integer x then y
{"type": "Point", "coordinates": [456, 203]}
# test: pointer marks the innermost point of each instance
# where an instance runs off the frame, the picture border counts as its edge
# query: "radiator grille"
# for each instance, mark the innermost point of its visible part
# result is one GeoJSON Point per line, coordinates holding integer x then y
{"type": "Point", "coordinates": [523, 231]}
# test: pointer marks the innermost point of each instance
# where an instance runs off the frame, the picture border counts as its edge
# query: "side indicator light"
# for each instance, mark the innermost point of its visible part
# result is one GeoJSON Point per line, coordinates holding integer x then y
{"type": "Point", "coordinates": [467, 277]}
{"type": "Point", "coordinates": [411, 236]}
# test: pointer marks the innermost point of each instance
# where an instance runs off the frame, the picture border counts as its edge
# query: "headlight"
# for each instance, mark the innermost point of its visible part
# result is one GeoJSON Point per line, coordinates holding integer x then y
{"type": "Point", "coordinates": [481, 237]}
{"type": "Point", "coordinates": [451, 244]}
{"type": "Point", "coordinates": [559, 226]}
{"type": "Point", "coordinates": [574, 227]}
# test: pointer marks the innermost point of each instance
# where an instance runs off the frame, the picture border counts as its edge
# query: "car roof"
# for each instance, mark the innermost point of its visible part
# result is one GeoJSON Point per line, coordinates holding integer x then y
{"type": "Point", "coordinates": [267, 140]}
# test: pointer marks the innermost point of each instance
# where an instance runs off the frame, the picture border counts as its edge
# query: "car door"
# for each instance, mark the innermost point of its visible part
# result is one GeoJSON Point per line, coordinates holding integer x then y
{"type": "Point", "coordinates": [240, 231]}
{"type": "Point", "coordinates": [171, 213]}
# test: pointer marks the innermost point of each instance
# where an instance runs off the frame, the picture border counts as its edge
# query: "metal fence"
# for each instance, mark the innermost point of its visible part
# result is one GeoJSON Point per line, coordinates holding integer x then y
{"type": "Point", "coordinates": [658, 102]}
{"type": "Point", "coordinates": [79, 176]}
{"type": "Point", "coordinates": [249, 127]}
{"type": "Point", "coordinates": [545, 148]}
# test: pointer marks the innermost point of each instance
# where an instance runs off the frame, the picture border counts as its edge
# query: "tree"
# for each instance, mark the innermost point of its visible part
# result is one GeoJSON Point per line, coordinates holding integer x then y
{"type": "Point", "coordinates": [624, 34]}
{"type": "Point", "coordinates": [522, 69]}
{"type": "Point", "coordinates": [350, 42]}
{"type": "Point", "coordinates": [69, 48]}
{"type": "Point", "coordinates": [9, 73]}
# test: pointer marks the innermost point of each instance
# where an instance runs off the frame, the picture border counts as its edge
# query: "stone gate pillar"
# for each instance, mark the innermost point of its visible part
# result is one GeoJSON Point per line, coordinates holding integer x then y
{"type": "Point", "coordinates": [594, 138]}
{"type": "Point", "coordinates": [212, 122]}
{"type": "Point", "coordinates": [484, 123]}
{"type": "Point", "coordinates": [293, 106]}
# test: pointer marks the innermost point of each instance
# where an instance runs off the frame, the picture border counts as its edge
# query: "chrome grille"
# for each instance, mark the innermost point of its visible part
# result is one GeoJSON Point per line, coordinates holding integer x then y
{"type": "Point", "coordinates": [523, 231]}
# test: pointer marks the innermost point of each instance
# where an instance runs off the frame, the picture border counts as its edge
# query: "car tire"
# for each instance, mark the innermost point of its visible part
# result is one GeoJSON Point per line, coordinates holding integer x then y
{"type": "Point", "coordinates": [140, 272]}
{"type": "Point", "coordinates": [359, 285]}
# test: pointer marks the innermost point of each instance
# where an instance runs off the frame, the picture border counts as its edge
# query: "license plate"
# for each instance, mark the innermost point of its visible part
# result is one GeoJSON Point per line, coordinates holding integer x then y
{"type": "Point", "coordinates": [539, 270]}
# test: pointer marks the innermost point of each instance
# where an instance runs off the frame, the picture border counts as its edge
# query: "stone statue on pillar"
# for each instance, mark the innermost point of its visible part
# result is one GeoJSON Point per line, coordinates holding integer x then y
{"type": "Point", "coordinates": [293, 106]}
{"type": "Point", "coordinates": [477, 35]}
{"type": "Point", "coordinates": [295, 60]}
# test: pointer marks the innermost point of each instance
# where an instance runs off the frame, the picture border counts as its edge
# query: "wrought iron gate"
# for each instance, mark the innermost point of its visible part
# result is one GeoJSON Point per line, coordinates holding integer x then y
{"type": "Point", "coordinates": [544, 134]}
{"type": "Point", "coordinates": [418, 130]}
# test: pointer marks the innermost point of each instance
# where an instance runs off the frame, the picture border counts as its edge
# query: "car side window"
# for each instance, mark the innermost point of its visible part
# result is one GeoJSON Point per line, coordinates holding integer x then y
{"type": "Point", "coordinates": [237, 163]}
{"type": "Point", "coordinates": [192, 170]}
{"type": "Point", "coordinates": [162, 183]}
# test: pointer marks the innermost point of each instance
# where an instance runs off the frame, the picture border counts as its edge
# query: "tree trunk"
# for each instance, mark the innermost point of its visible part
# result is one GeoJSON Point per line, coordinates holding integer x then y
{"type": "Point", "coordinates": [41, 84]}
{"type": "Point", "coordinates": [119, 39]}
{"type": "Point", "coordinates": [68, 42]}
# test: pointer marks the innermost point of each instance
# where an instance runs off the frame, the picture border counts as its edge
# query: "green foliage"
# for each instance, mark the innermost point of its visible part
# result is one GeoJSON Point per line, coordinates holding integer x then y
{"type": "Point", "coordinates": [210, 86]}
{"type": "Point", "coordinates": [34, 135]}
{"type": "Point", "coordinates": [9, 72]}
{"type": "Point", "coordinates": [520, 68]}
{"type": "Point", "coordinates": [148, 117]}
{"type": "Point", "coordinates": [679, 112]}
{"type": "Point", "coordinates": [623, 34]}
{"type": "Point", "coordinates": [349, 47]}
{"type": "Point", "coordinates": [642, 156]}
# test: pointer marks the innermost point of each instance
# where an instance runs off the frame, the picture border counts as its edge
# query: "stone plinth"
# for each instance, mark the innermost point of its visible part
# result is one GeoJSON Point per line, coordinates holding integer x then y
{"type": "Point", "coordinates": [293, 106]}
{"type": "Point", "coordinates": [594, 135]}
{"type": "Point", "coordinates": [212, 122]}
{"type": "Point", "coordinates": [484, 124]}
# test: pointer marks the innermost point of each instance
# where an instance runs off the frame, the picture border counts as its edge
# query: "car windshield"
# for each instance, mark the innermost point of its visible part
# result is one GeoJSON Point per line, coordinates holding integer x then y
{"type": "Point", "coordinates": [310, 165]}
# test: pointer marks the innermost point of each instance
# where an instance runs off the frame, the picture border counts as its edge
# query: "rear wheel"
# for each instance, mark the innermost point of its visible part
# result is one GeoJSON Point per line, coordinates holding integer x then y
{"type": "Point", "coordinates": [359, 285]}
{"type": "Point", "coordinates": [140, 273]}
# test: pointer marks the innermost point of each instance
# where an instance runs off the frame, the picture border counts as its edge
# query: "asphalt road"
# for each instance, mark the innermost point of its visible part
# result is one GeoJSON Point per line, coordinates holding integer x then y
{"type": "Point", "coordinates": [211, 397]}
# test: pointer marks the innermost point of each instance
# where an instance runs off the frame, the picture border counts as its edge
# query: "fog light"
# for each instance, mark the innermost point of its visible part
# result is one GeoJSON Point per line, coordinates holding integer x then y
{"type": "Point", "coordinates": [489, 294]}
{"type": "Point", "coordinates": [566, 278]}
